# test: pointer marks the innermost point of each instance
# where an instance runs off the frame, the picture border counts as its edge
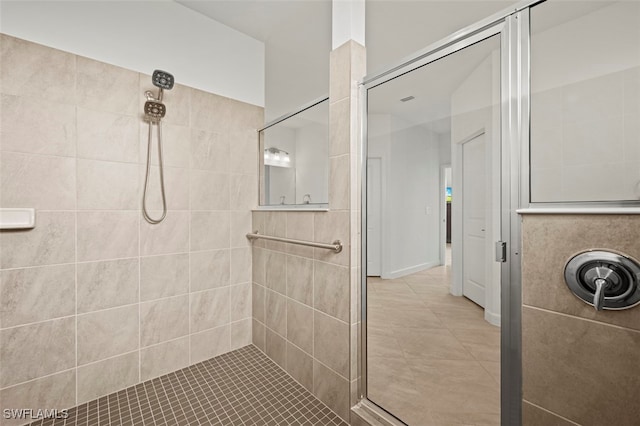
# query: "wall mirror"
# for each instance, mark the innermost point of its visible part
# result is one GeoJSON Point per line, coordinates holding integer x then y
{"type": "Point", "coordinates": [294, 159]}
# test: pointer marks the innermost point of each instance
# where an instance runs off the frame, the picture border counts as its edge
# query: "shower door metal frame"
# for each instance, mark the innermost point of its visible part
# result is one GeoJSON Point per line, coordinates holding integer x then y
{"type": "Point", "coordinates": [512, 25]}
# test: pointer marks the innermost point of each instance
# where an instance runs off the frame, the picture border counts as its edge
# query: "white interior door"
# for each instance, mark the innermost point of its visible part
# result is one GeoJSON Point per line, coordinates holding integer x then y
{"type": "Point", "coordinates": [374, 222]}
{"type": "Point", "coordinates": [474, 227]}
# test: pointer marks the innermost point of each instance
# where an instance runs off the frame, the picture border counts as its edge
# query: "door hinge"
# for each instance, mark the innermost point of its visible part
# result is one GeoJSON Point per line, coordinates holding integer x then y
{"type": "Point", "coordinates": [501, 251]}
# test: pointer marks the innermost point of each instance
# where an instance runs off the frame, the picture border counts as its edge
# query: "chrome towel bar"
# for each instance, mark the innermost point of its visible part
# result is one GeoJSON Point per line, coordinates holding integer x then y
{"type": "Point", "coordinates": [336, 246]}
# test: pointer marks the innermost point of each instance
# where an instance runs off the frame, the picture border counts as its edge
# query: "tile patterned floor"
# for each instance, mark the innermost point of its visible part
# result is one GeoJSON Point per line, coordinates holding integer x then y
{"type": "Point", "coordinates": [432, 358]}
{"type": "Point", "coordinates": [242, 387]}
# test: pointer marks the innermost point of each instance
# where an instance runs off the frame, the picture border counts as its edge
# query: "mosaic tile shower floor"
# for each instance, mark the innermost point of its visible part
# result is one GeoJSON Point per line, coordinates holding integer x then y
{"type": "Point", "coordinates": [242, 387]}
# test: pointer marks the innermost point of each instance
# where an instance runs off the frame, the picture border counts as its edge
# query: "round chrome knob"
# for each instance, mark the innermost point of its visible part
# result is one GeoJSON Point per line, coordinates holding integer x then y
{"type": "Point", "coordinates": [604, 279]}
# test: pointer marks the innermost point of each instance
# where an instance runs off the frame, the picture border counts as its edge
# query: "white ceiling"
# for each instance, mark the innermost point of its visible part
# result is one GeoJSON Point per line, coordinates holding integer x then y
{"type": "Point", "coordinates": [297, 37]}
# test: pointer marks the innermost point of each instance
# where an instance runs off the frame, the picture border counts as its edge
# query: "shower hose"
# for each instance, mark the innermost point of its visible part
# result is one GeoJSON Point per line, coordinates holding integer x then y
{"type": "Point", "coordinates": [145, 213]}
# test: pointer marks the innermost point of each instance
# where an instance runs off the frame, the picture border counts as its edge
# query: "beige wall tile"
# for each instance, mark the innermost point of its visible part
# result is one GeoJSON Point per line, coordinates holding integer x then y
{"type": "Point", "coordinates": [276, 348]}
{"type": "Point", "coordinates": [209, 190]}
{"type": "Point", "coordinates": [339, 182]}
{"type": "Point", "coordinates": [587, 366]}
{"type": "Point", "coordinates": [209, 309]}
{"type": "Point", "coordinates": [300, 279]}
{"type": "Point", "coordinates": [355, 351]}
{"type": "Point", "coordinates": [123, 371]}
{"type": "Point", "coordinates": [233, 115]}
{"type": "Point", "coordinates": [170, 236]}
{"type": "Point", "coordinates": [164, 358]}
{"type": "Point", "coordinates": [240, 333]}
{"type": "Point", "coordinates": [209, 151]}
{"type": "Point", "coordinates": [20, 362]}
{"type": "Point", "coordinates": [331, 343]}
{"type": "Point", "coordinates": [107, 284]}
{"type": "Point", "coordinates": [240, 265]}
{"type": "Point", "coordinates": [300, 227]}
{"type": "Point", "coordinates": [275, 224]}
{"type": "Point", "coordinates": [300, 366]}
{"type": "Point", "coordinates": [23, 74]}
{"type": "Point", "coordinates": [176, 184]}
{"type": "Point", "coordinates": [57, 391]}
{"type": "Point", "coordinates": [276, 312]}
{"type": "Point", "coordinates": [240, 227]}
{"type": "Point", "coordinates": [165, 319]}
{"type": "Point", "coordinates": [107, 136]}
{"type": "Point", "coordinates": [37, 181]}
{"type": "Point", "coordinates": [51, 242]}
{"type": "Point", "coordinates": [257, 224]}
{"type": "Point", "coordinates": [176, 149]}
{"type": "Point", "coordinates": [106, 87]}
{"type": "Point", "coordinates": [536, 416]}
{"type": "Point", "coordinates": [163, 276]}
{"type": "Point", "coordinates": [258, 302]}
{"type": "Point", "coordinates": [202, 103]}
{"type": "Point", "coordinates": [258, 334]}
{"type": "Point", "coordinates": [300, 325]}
{"type": "Point", "coordinates": [107, 235]}
{"type": "Point", "coordinates": [331, 389]}
{"type": "Point", "coordinates": [243, 192]}
{"type": "Point", "coordinates": [53, 133]}
{"type": "Point", "coordinates": [329, 227]}
{"type": "Point", "coordinates": [340, 127]}
{"type": "Point", "coordinates": [244, 151]}
{"type": "Point", "coordinates": [240, 296]}
{"type": "Point", "coordinates": [550, 241]}
{"type": "Point", "coordinates": [108, 333]}
{"type": "Point", "coordinates": [210, 269]}
{"type": "Point", "coordinates": [340, 72]}
{"type": "Point", "coordinates": [331, 290]}
{"type": "Point", "coordinates": [258, 269]}
{"type": "Point", "coordinates": [36, 294]}
{"type": "Point", "coordinates": [275, 265]}
{"type": "Point", "coordinates": [210, 343]}
{"type": "Point", "coordinates": [106, 185]}
{"type": "Point", "coordinates": [210, 230]}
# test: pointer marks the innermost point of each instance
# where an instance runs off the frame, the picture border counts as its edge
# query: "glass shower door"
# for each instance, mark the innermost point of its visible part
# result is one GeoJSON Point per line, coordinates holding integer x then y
{"type": "Point", "coordinates": [433, 309]}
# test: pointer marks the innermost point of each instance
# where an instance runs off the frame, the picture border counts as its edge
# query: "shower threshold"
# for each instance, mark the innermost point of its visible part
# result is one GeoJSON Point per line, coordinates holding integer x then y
{"type": "Point", "coordinates": [242, 387]}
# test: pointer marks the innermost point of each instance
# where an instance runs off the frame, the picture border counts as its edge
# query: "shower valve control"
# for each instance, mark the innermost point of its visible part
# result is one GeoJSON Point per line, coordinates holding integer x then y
{"type": "Point", "coordinates": [604, 279]}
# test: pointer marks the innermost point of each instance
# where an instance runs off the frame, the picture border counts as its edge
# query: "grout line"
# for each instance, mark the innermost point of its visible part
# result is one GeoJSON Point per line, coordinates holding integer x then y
{"type": "Point", "coordinates": [66, 370]}
{"type": "Point", "coordinates": [39, 322]}
{"type": "Point", "coordinates": [190, 260]}
{"type": "Point", "coordinates": [550, 412]}
{"type": "Point", "coordinates": [75, 242]}
{"type": "Point", "coordinates": [139, 263]}
{"type": "Point", "coordinates": [604, 324]}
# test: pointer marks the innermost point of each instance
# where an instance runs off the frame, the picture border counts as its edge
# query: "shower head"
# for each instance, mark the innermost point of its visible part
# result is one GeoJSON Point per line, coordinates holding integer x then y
{"type": "Point", "coordinates": [154, 110]}
{"type": "Point", "coordinates": [162, 79]}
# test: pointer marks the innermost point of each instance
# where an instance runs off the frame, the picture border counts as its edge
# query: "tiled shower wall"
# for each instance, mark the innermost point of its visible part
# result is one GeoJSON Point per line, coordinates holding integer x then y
{"type": "Point", "coordinates": [305, 301]}
{"type": "Point", "coordinates": [579, 366]}
{"type": "Point", "coordinates": [95, 299]}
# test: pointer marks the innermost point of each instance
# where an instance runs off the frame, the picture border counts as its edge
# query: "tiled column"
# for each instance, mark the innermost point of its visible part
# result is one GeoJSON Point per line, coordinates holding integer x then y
{"type": "Point", "coordinates": [348, 63]}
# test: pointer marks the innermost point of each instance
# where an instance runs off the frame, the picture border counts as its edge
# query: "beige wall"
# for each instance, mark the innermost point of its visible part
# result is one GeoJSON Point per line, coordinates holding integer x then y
{"type": "Point", "coordinates": [579, 366]}
{"type": "Point", "coordinates": [95, 299]}
{"type": "Point", "coordinates": [304, 299]}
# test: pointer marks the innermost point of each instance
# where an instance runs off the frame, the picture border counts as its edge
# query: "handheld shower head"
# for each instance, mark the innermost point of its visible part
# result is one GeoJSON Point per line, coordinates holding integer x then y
{"type": "Point", "coordinates": [162, 79]}
{"type": "Point", "coordinates": [154, 110]}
